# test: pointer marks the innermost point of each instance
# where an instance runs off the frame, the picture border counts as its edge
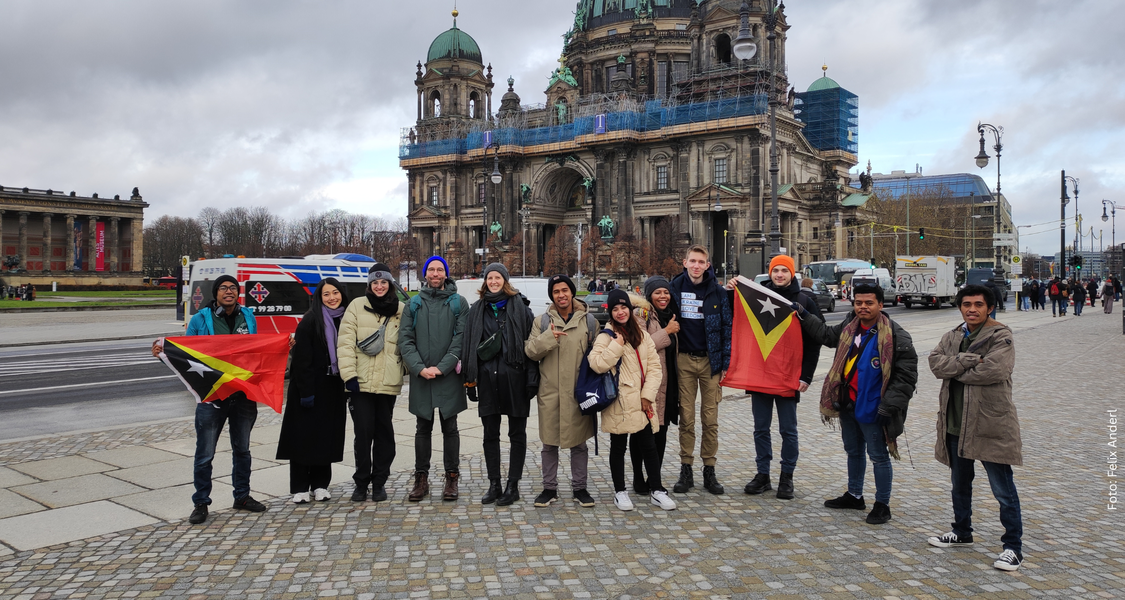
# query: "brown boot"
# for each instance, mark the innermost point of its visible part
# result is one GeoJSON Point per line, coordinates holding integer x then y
{"type": "Point", "coordinates": [450, 492]}
{"type": "Point", "coordinates": [421, 487]}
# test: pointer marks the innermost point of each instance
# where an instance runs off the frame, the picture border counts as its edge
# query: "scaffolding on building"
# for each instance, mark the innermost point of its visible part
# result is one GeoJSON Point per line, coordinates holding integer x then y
{"type": "Point", "coordinates": [831, 118]}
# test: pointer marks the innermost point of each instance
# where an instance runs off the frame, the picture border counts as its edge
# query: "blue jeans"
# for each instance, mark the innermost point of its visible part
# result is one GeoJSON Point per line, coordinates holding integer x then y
{"type": "Point", "coordinates": [1058, 305]}
{"type": "Point", "coordinates": [241, 412]}
{"type": "Point", "coordinates": [1003, 489]}
{"type": "Point", "coordinates": [1078, 308]}
{"type": "Point", "coordinates": [762, 406]}
{"type": "Point", "coordinates": [1026, 301]}
{"type": "Point", "coordinates": [858, 436]}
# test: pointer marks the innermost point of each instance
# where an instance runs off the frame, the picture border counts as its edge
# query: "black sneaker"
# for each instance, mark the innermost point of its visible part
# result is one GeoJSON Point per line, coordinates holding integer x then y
{"type": "Point", "coordinates": [379, 494]}
{"type": "Point", "coordinates": [880, 513]}
{"type": "Point", "coordinates": [360, 494]}
{"type": "Point", "coordinates": [759, 484]}
{"type": "Point", "coordinates": [583, 498]}
{"type": "Point", "coordinates": [198, 515]}
{"type": "Point", "coordinates": [846, 500]}
{"type": "Point", "coordinates": [546, 497]}
{"type": "Point", "coordinates": [949, 540]}
{"type": "Point", "coordinates": [250, 504]}
{"type": "Point", "coordinates": [1008, 561]}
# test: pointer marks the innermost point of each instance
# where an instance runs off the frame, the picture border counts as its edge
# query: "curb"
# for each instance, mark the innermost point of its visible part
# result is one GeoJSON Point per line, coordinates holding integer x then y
{"type": "Point", "coordinates": [108, 339]}
{"type": "Point", "coordinates": [83, 308]}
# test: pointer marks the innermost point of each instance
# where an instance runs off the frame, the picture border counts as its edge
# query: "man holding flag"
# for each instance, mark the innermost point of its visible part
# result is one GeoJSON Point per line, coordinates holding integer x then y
{"type": "Point", "coordinates": [224, 317]}
{"type": "Point", "coordinates": [868, 388]}
{"type": "Point", "coordinates": [782, 368]}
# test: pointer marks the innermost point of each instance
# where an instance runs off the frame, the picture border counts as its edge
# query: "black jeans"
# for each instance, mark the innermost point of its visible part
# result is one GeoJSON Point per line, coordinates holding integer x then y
{"type": "Point", "coordinates": [642, 441]}
{"type": "Point", "coordinates": [374, 438]}
{"type": "Point", "coordinates": [303, 478]}
{"type": "Point", "coordinates": [423, 446]}
{"type": "Point", "coordinates": [517, 436]}
{"type": "Point", "coordinates": [660, 438]}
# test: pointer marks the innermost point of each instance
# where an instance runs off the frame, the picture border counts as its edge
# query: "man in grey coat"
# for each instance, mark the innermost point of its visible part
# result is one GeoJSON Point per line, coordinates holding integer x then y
{"type": "Point", "coordinates": [977, 420]}
{"type": "Point", "coordinates": [430, 339]}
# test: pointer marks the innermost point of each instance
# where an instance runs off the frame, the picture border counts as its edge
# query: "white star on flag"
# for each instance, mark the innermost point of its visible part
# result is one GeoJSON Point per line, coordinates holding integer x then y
{"type": "Point", "coordinates": [197, 368]}
{"type": "Point", "coordinates": [769, 306]}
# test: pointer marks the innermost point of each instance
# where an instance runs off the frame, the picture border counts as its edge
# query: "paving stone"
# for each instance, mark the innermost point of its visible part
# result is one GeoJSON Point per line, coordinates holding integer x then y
{"type": "Point", "coordinates": [47, 528]}
{"type": "Point", "coordinates": [12, 504]}
{"type": "Point", "coordinates": [10, 478]}
{"type": "Point", "coordinates": [132, 456]}
{"type": "Point", "coordinates": [62, 467]}
{"type": "Point", "coordinates": [76, 490]}
{"type": "Point", "coordinates": [174, 503]}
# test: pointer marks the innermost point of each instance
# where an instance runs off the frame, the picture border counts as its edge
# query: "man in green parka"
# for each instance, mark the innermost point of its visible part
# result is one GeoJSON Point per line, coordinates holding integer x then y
{"type": "Point", "coordinates": [433, 327]}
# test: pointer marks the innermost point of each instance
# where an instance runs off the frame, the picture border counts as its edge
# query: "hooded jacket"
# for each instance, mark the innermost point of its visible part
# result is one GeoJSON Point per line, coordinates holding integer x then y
{"type": "Point", "coordinates": [990, 427]}
{"type": "Point", "coordinates": [433, 338]}
{"type": "Point", "coordinates": [561, 423]}
{"type": "Point", "coordinates": [639, 377]}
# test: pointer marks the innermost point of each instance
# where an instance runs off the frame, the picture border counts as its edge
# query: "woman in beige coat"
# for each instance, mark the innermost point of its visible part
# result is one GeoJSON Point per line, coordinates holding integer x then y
{"type": "Point", "coordinates": [632, 355]}
{"type": "Point", "coordinates": [657, 315]}
{"type": "Point", "coordinates": [373, 381]}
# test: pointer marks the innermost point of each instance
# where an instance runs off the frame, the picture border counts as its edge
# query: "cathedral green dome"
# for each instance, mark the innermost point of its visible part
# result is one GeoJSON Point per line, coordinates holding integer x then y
{"type": "Point", "coordinates": [824, 83]}
{"type": "Point", "coordinates": [454, 44]}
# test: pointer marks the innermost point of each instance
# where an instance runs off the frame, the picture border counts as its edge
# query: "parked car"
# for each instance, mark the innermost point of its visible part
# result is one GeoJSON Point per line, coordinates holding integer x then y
{"type": "Point", "coordinates": [596, 305]}
{"type": "Point", "coordinates": [823, 296]}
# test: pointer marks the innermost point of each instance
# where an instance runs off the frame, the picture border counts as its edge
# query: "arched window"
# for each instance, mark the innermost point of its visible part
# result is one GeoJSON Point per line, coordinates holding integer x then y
{"type": "Point", "coordinates": [474, 106]}
{"type": "Point", "coordinates": [722, 49]}
{"type": "Point", "coordinates": [435, 104]}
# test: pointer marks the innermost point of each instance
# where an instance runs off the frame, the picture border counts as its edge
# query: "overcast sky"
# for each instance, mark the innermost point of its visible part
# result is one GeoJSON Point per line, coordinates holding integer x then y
{"type": "Point", "coordinates": [298, 105]}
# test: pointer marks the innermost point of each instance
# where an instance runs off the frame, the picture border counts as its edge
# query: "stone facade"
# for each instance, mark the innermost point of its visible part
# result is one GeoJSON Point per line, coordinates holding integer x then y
{"type": "Point", "coordinates": [575, 161]}
{"type": "Point", "coordinates": [53, 234]}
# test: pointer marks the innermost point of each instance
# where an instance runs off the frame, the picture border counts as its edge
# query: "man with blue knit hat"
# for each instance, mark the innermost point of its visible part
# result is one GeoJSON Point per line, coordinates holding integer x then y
{"type": "Point", "coordinates": [430, 342]}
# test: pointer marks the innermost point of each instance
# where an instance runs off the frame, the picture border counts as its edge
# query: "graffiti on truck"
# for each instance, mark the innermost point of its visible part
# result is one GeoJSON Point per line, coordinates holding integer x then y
{"type": "Point", "coordinates": [916, 283]}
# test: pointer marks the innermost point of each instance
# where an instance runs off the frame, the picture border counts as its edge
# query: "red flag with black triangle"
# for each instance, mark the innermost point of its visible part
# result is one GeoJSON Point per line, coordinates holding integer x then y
{"type": "Point", "coordinates": [767, 347]}
{"type": "Point", "coordinates": [215, 366]}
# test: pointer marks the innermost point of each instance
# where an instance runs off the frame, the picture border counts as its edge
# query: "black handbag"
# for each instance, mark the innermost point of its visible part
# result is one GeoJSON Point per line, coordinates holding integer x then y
{"type": "Point", "coordinates": [489, 348]}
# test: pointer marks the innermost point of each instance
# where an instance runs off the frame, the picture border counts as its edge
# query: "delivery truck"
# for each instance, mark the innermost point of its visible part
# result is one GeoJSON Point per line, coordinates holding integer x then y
{"type": "Point", "coordinates": [925, 280]}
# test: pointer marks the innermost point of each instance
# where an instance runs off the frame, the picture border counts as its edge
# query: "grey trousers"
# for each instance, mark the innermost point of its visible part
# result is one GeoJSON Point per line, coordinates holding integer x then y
{"type": "Point", "coordinates": [579, 461]}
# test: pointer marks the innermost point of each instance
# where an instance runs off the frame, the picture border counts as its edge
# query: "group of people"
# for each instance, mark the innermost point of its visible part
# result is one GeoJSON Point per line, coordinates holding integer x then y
{"type": "Point", "coordinates": [667, 347]}
{"type": "Point", "coordinates": [25, 292]}
{"type": "Point", "coordinates": [599, 286]}
{"type": "Point", "coordinates": [1064, 293]}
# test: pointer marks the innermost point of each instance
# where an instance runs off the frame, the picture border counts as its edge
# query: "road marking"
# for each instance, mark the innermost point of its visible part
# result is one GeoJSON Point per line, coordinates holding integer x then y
{"type": "Point", "coordinates": [83, 385]}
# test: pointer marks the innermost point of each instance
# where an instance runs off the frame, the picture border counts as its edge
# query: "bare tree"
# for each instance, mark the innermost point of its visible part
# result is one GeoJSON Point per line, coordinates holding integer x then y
{"type": "Point", "coordinates": [209, 219]}
{"type": "Point", "coordinates": [561, 256]}
{"type": "Point", "coordinates": [167, 239]}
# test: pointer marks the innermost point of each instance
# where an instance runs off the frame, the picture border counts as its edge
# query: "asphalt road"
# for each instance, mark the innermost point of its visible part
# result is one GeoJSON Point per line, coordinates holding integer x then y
{"type": "Point", "coordinates": [90, 385]}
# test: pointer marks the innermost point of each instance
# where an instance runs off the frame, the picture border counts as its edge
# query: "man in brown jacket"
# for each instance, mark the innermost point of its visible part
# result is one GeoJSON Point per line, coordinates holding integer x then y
{"type": "Point", "coordinates": [558, 340]}
{"type": "Point", "coordinates": [977, 420]}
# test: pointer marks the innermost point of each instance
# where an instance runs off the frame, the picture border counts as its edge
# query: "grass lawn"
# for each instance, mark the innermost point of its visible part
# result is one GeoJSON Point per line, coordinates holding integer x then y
{"type": "Point", "coordinates": [110, 294]}
{"type": "Point", "coordinates": [46, 304]}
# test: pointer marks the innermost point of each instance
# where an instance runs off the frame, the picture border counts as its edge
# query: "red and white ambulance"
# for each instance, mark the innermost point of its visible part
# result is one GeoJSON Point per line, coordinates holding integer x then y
{"type": "Point", "coordinates": [278, 290]}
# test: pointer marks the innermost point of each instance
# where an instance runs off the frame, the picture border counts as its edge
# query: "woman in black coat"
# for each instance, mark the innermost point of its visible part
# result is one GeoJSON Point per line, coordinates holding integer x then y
{"type": "Point", "coordinates": [500, 376]}
{"type": "Point", "coordinates": [312, 429]}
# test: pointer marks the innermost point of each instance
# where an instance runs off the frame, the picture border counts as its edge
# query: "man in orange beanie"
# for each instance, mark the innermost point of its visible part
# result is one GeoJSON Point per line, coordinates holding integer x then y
{"type": "Point", "coordinates": [783, 281]}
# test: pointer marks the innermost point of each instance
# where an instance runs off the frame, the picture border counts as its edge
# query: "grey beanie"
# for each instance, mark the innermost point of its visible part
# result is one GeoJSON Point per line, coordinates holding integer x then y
{"type": "Point", "coordinates": [499, 268]}
{"type": "Point", "coordinates": [379, 271]}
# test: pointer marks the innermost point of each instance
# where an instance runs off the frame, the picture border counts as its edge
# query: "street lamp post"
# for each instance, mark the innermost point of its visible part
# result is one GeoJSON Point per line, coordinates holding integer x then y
{"type": "Point", "coordinates": [578, 235]}
{"type": "Point", "coordinates": [1113, 250]}
{"type": "Point", "coordinates": [525, 212]}
{"type": "Point", "coordinates": [1062, 226]}
{"type": "Point", "coordinates": [744, 48]}
{"type": "Point", "coordinates": [982, 162]}
{"type": "Point", "coordinates": [496, 178]}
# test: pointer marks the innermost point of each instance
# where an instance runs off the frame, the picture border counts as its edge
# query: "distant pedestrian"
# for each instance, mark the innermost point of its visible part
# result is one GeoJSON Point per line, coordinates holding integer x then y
{"type": "Point", "coordinates": [316, 414]}
{"type": "Point", "coordinates": [1055, 292]}
{"type": "Point", "coordinates": [1092, 290]}
{"type": "Point", "coordinates": [1107, 297]}
{"type": "Point", "coordinates": [977, 420]}
{"type": "Point", "coordinates": [373, 376]}
{"type": "Point", "coordinates": [1079, 298]}
{"type": "Point", "coordinates": [868, 388]}
{"type": "Point", "coordinates": [1025, 295]}
{"type": "Point", "coordinates": [1044, 286]}
{"type": "Point", "coordinates": [1036, 302]}
{"type": "Point", "coordinates": [1116, 287]}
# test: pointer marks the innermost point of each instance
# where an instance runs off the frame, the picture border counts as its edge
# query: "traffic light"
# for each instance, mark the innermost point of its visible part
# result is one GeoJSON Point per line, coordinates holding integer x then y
{"type": "Point", "coordinates": [1078, 263]}
{"type": "Point", "coordinates": [921, 233]}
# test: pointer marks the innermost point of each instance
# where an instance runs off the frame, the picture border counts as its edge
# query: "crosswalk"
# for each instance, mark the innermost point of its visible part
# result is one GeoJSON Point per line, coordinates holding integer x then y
{"type": "Point", "coordinates": [40, 366]}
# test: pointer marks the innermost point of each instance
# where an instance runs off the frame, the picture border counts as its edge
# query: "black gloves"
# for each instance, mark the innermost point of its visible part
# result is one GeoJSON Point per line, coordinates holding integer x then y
{"type": "Point", "coordinates": [352, 385]}
{"type": "Point", "coordinates": [472, 393]}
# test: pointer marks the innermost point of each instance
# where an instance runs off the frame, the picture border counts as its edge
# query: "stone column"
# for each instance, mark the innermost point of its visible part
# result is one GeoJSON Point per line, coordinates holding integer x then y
{"type": "Point", "coordinates": [92, 239]}
{"type": "Point", "coordinates": [46, 242]}
{"type": "Point", "coordinates": [70, 243]}
{"type": "Point", "coordinates": [111, 244]}
{"type": "Point", "coordinates": [23, 240]}
{"type": "Point", "coordinates": [136, 261]}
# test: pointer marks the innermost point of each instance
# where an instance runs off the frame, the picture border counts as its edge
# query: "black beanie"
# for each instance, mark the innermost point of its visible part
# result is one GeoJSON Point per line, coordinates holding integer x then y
{"type": "Point", "coordinates": [557, 279]}
{"type": "Point", "coordinates": [220, 281]}
{"type": "Point", "coordinates": [655, 283]}
{"type": "Point", "coordinates": [617, 297]}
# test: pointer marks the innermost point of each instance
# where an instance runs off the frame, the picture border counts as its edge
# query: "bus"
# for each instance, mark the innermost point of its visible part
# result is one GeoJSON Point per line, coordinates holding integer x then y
{"type": "Point", "coordinates": [834, 272]}
{"type": "Point", "coordinates": [276, 289]}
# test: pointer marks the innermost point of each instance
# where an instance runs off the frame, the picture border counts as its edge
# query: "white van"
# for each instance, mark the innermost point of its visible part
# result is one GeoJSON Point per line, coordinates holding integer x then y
{"type": "Point", "coordinates": [276, 289]}
{"type": "Point", "coordinates": [879, 277]}
{"type": "Point", "coordinates": [535, 288]}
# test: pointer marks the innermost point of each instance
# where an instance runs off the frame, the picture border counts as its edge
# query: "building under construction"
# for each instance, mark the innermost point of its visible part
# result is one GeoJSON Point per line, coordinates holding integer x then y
{"type": "Point", "coordinates": [649, 121]}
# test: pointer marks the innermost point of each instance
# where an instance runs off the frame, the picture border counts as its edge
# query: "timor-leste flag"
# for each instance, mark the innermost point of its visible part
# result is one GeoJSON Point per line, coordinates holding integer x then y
{"type": "Point", "coordinates": [215, 366]}
{"type": "Point", "coordinates": [766, 345]}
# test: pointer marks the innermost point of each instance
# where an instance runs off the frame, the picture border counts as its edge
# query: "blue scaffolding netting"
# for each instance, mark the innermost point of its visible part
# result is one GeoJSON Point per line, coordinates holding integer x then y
{"type": "Point", "coordinates": [654, 117]}
{"type": "Point", "coordinates": [831, 118]}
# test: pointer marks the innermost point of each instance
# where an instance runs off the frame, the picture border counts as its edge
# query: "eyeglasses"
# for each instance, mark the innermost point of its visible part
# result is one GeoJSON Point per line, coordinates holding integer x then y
{"type": "Point", "coordinates": [228, 288]}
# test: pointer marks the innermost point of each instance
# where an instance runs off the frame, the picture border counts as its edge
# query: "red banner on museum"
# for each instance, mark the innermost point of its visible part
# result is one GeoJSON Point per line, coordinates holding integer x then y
{"type": "Point", "coordinates": [100, 246]}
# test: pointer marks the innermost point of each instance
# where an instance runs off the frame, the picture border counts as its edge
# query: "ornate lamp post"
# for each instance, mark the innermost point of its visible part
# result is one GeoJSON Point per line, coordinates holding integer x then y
{"type": "Point", "coordinates": [1062, 234]}
{"type": "Point", "coordinates": [744, 48]}
{"type": "Point", "coordinates": [1113, 250]}
{"type": "Point", "coordinates": [982, 162]}
{"type": "Point", "coordinates": [496, 178]}
{"type": "Point", "coordinates": [525, 212]}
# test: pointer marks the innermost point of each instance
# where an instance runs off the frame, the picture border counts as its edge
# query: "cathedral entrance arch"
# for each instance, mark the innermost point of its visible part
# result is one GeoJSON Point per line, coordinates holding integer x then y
{"type": "Point", "coordinates": [560, 192]}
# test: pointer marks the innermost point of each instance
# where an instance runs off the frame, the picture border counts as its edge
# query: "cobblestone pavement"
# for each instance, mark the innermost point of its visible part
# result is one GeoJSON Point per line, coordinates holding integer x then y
{"type": "Point", "coordinates": [1068, 374]}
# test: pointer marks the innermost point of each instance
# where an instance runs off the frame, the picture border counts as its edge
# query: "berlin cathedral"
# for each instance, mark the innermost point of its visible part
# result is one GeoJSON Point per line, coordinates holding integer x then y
{"type": "Point", "coordinates": [650, 127]}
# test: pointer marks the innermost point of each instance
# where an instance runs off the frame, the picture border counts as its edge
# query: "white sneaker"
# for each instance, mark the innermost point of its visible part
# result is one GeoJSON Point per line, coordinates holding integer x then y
{"type": "Point", "coordinates": [660, 498]}
{"type": "Point", "coordinates": [622, 501]}
{"type": "Point", "coordinates": [301, 498]}
{"type": "Point", "coordinates": [320, 494]}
